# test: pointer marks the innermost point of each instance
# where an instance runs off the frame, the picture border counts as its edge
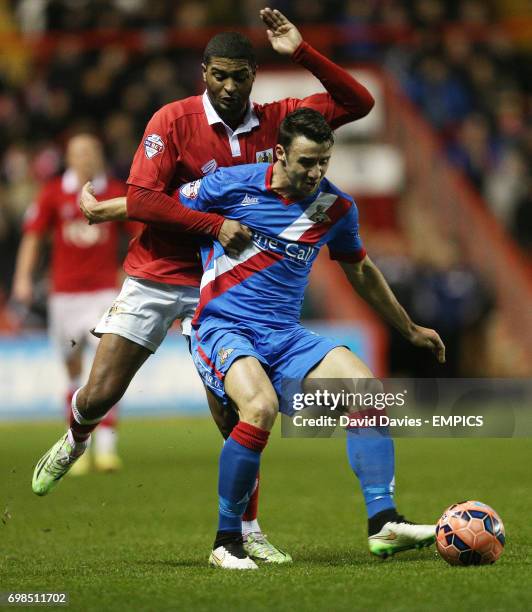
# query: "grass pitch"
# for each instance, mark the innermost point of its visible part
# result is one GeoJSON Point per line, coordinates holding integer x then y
{"type": "Point", "coordinates": [139, 540]}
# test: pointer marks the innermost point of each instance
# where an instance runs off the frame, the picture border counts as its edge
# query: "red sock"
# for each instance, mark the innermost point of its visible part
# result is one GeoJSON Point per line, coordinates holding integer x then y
{"type": "Point", "coordinates": [252, 509]}
{"type": "Point", "coordinates": [250, 436]}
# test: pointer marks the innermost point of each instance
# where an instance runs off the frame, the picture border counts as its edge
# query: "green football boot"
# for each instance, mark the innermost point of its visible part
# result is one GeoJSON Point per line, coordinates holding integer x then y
{"type": "Point", "coordinates": [400, 535]}
{"type": "Point", "coordinates": [260, 549]}
{"type": "Point", "coordinates": [55, 463]}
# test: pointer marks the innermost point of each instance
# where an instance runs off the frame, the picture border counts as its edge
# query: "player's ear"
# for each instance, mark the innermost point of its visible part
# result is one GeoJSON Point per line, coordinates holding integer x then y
{"type": "Point", "coordinates": [204, 71]}
{"type": "Point", "coordinates": [280, 153]}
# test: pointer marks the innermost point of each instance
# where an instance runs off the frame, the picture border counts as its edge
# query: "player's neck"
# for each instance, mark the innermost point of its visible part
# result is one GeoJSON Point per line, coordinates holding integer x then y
{"type": "Point", "coordinates": [231, 120]}
{"type": "Point", "coordinates": [280, 183]}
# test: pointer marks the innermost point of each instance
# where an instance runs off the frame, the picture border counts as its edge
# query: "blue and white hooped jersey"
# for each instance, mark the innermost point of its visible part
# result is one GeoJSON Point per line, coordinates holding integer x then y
{"type": "Point", "coordinates": [266, 282]}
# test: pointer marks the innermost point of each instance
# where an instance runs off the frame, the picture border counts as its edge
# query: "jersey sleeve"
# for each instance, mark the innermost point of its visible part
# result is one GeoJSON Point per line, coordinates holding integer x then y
{"type": "Point", "coordinates": [154, 162]}
{"type": "Point", "coordinates": [346, 244]}
{"type": "Point", "coordinates": [346, 99]}
{"type": "Point", "coordinates": [206, 194]}
{"type": "Point", "coordinates": [40, 216]}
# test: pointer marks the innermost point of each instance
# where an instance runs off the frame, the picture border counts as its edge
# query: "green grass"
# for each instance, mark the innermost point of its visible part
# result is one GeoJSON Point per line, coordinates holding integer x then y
{"type": "Point", "coordinates": [139, 540]}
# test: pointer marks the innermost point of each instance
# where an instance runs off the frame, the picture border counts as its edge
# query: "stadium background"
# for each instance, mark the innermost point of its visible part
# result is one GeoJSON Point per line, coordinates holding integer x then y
{"type": "Point", "coordinates": [440, 170]}
{"type": "Point", "coordinates": [440, 167]}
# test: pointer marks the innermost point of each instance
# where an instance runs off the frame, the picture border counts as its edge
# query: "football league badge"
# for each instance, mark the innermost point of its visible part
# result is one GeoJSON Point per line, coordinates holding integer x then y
{"type": "Point", "coordinates": [191, 190]}
{"type": "Point", "coordinates": [264, 157]}
{"type": "Point", "coordinates": [153, 145]}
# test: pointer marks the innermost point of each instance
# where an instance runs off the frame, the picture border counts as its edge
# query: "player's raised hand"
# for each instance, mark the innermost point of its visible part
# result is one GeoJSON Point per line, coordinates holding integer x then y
{"type": "Point", "coordinates": [425, 337]}
{"type": "Point", "coordinates": [282, 34]}
{"type": "Point", "coordinates": [234, 237]}
{"type": "Point", "coordinates": [88, 202]}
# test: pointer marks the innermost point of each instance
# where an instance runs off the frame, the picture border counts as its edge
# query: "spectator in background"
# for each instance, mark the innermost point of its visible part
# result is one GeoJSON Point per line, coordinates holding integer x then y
{"type": "Point", "coordinates": [79, 295]}
{"type": "Point", "coordinates": [474, 151]}
{"type": "Point", "coordinates": [441, 95]}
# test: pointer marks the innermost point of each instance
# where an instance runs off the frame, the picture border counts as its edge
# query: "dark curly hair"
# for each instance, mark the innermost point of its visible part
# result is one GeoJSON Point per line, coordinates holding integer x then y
{"type": "Point", "coordinates": [304, 122]}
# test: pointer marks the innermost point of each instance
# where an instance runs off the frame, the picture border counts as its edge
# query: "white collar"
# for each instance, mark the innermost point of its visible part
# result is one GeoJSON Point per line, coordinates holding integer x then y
{"type": "Point", "coordinates": [249, 122]}
{"type": "Point", "coordinates": [70, 182]}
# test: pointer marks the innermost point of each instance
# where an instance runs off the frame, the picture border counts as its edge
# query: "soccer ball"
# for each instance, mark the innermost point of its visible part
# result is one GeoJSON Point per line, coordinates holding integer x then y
{"type": "Point", "coordinates": [470, 533]}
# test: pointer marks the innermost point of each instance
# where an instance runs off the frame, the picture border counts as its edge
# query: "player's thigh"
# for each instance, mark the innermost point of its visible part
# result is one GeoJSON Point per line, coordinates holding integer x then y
{"type": "Point", "coordinates": [340, 362]}
{"type": "Point", "coordinates": [341, 371]}
{"type": "Point", "coordinates": [74, 362]}
{"type": "Point", "coordinates": [248, 385]}
{"type": "Point", "coordinates": [66, 332]}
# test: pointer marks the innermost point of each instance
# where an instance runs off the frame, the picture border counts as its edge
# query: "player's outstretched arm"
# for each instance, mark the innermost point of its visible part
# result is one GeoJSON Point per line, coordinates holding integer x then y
{"type": "Point", "coordinates": [367, 280]}
{"type": "Point", "coordinates": [100, 212]}
{"type": "Point", "coordinates": [170, 213]}
{"type": "Point", "coordinates": [348, 99]}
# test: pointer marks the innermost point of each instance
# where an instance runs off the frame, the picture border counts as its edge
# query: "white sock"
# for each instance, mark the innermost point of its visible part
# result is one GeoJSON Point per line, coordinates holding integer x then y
{"type": "Point", "coordinates": [78, 448]}
{"type": "Point", "coordinates": [77, 416]}
{"type": "Point", "coordinates": [250, 527]}
{"type": "Point", "coordinates": [104, 441]}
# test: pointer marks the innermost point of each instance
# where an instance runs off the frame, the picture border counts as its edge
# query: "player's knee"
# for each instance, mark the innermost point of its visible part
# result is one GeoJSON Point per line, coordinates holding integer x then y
{"type": "Point", "coordinates": [261, 410]}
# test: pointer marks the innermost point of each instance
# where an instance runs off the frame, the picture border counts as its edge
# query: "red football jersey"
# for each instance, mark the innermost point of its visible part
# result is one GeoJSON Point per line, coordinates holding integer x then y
{"type": "Point", "coordinates": [84, 257]}
{"type": "Point", "coordinates": [186, 140]}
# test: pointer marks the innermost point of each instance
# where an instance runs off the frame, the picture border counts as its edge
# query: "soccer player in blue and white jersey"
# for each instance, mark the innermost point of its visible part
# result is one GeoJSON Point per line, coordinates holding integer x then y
{"type": "Point", "coordinates": [247, 335]}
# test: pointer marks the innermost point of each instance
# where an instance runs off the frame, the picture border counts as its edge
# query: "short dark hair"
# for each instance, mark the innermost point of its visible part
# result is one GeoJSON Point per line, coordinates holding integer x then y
{"type": "Point", "coordinates": [232, 45]}
{"type": "Point", "coordinates": [304, 122]}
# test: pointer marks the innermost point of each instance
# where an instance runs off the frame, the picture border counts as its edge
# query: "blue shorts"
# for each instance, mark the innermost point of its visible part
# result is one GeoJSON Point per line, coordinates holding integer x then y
{"type": "Point", "coordinates": [286, 354]}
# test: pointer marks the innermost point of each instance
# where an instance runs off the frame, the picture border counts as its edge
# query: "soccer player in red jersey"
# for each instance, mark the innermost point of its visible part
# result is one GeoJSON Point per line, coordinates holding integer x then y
{"type": "Point", "coordinates": [84, 271]}
{"type": "Point", "coordinates": [184, 141]}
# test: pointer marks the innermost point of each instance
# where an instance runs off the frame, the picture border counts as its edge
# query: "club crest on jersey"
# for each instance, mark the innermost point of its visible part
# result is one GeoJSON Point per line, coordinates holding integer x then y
{"type": "Point", "coordinates": [265, 156]}
{"type": "Point", "coordinates": [223, 354]}
{"type": "Point", "coordinates": [153, 145]}
{"type": "Point", "coordinates": [209, 167]}
{"type": "Point", "coordinates": [320, 216]}
{"type": "Point", "coordinates": [116, 308]}
{"type": "Point", "coordinates": [191, 190]}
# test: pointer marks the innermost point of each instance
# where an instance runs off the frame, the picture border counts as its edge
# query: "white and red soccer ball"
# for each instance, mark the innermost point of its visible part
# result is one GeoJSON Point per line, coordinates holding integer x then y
{"type": "Point", "coordinates": [470, 533]}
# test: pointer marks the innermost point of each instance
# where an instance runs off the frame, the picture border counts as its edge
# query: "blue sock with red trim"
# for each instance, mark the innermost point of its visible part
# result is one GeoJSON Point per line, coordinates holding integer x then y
{"type": "Point", "coordinates": [370, 452]}
{"type": "Point", "coordinates": [239, 466]}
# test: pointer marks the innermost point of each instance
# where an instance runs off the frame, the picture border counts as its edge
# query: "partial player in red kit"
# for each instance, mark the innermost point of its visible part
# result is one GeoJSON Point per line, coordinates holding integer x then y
{"type": "Point", "coordinates": [84, 271]}
{"type": "Point", "coordinates": [184, 141]}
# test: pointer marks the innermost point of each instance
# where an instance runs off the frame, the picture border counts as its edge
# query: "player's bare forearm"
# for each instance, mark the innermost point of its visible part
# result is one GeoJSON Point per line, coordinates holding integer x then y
{"type": "Point", "coordinates": [101, 212]}
{"type": "Point", "coordinates": [367, 280]}
{"type": "Point", "coordinates": [27, 257]}
{"type": "Point", "coordinates": [110, 210]}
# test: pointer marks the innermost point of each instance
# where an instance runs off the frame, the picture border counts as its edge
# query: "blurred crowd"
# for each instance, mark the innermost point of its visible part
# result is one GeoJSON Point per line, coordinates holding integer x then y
{"type": "Point", "coordinates": [455, 62]}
